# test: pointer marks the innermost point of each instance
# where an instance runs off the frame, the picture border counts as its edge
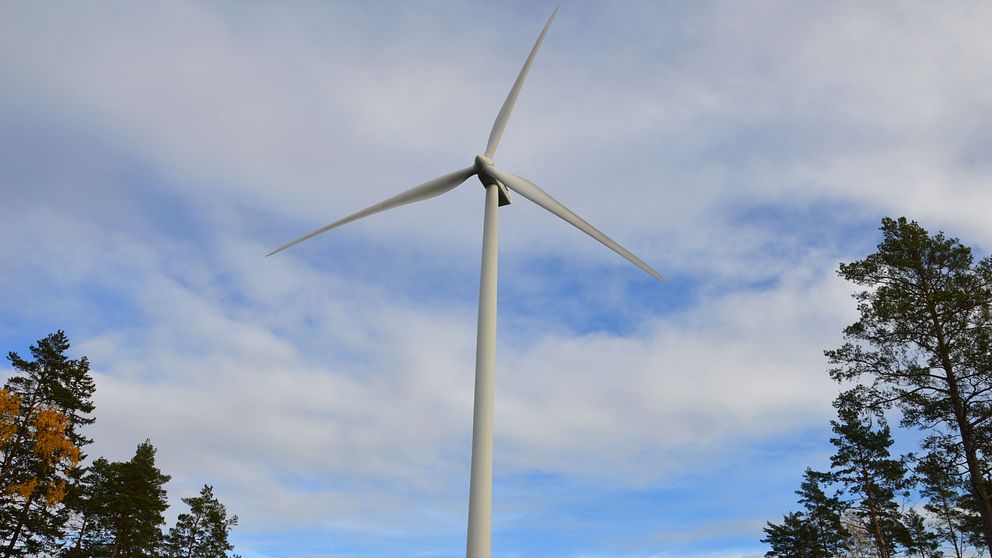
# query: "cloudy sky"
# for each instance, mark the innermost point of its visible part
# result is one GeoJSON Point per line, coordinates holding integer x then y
{"type": "Point", "coordinates": [152, 154]}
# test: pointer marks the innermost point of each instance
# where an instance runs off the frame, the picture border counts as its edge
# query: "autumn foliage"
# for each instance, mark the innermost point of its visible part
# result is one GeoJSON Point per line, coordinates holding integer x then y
{"type": "Point", "coordinates": [41, 408]}
{"type": "Point", "coordinates": [10, 407]}
{"type": "Point", "coordinates": [56, 456]}
{"type": "Point", "coordinates": [52, 503]}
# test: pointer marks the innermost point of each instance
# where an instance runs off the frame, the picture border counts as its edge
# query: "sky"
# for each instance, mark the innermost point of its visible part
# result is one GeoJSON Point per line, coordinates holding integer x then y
{"type": "Point", "coordinates": [151, 155]}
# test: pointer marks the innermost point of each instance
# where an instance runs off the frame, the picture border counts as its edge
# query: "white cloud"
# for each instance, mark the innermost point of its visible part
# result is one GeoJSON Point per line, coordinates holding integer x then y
{"type": "Point", "coordinates": [223, 389]}
{"type": "Point", "coordinates": [225, 397]}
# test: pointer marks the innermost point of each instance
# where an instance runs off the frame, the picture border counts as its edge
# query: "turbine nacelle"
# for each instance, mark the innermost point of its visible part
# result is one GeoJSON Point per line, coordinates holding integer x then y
{"type": "Point", "coordinates": [482, 164]}
{"type": "Point", "coordinates": [491, 175]}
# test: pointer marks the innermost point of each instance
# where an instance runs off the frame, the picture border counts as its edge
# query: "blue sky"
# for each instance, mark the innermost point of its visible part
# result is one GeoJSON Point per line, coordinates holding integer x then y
{"type": "Point", "coordinates": [150, 156]}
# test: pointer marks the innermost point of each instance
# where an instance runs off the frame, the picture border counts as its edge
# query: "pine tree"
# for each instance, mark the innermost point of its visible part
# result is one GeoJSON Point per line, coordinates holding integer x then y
{"type": "Point", "coordinates": [940, 482]}
{"type": "Point", "coordinates": [916, 539]}
{"type": "Point", "coordinates": [137, 517]}
{"type": "Point", "coordinates": [795, 537]}
{"type": "Point", "coordinates": [203, 532]}
{"type": "Point", "coordinates": [815, 533]}
{"type": "Point", "coordinates": [924, 340]}
{"type": "Point", "coordinates": [823, 513]}
{"type": "Point", "coordinates": [98, 492]}
{"type": "Point", "coordinates": [54, 379]}
{"type": "Point", "coordinates": [42, 408]}
{"type": "Point", "coordinates": [864, 467]}
{"type": "Point", "coordinates": [122, 508]}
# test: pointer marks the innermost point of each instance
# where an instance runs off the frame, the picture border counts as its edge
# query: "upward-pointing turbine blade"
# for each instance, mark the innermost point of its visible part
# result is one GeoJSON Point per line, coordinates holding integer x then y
{"type": "Point", "coordinates": [511, 99]}
{"type": "Point", "coordinates": [425, 191]}
{"type": "Point", "coordinates": [530, 191]}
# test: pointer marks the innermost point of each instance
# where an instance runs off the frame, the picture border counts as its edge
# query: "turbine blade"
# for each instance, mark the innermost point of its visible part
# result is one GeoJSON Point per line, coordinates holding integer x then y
{"type": "Point", "coordinates": [425, 191]}
{"type": "Point", "coordinates": [511, 98]}
{"type": "Point", "coordinates": [530, 191]}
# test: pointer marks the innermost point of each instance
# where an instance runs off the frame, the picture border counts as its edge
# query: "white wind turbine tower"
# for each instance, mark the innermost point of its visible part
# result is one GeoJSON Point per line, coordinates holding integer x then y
{"type": "Point", "coordinates": [496, 182]}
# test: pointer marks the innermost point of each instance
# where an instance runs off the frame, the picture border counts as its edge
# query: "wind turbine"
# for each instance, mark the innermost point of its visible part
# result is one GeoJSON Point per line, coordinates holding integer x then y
{"type": "Point", "coordinates": [498, 184]}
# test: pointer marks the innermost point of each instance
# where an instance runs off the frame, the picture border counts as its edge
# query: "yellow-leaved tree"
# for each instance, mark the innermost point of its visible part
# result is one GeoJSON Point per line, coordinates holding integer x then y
{"type": "Point", "coordinates": [42, 406]}
{"type": "Point", "coordinates": [54, 458]}
{"type": "Point", "coordinates": [10, 408]}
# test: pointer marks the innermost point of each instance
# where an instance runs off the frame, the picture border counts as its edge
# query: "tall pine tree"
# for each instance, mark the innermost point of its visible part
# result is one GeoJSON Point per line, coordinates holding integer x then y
{"type": "Point", "coordinates": [45, 404]}
{"type": "Point", "coordinates": [814, 533]}
{"type": "Point", "coordinates": [89, 536]}
{"type": "Point", "coordinates": [940, 482]}
{"type": "Point", "coordinates": [924, 342]}
{"type": "Point", "coordinates": [916, 539]}
{"type": "Point", "coordinates": [795, 537]}
{"type": "Point", "coordinates": [863, 466]}
{"type": "Point", "coordinates": [823, 512]}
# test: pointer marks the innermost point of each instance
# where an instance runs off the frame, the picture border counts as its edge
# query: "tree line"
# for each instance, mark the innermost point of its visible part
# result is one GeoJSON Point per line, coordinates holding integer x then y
{"type": "Point", "coordinates": [53, 504]}
{"type": "Point", "coordinates": [921, 351]}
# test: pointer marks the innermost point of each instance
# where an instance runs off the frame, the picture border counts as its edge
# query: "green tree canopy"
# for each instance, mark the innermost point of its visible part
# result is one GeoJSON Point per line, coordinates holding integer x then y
{"type": "Point", "coordinates": [924, 342]}
{"type": "Point", "coordinates": [44, 405]}
{"type": "Point", "coordinates": [203, 531]}
{"type": "Point", "coordinates": [863, 466]}
{"type": "Point", "coordinates": [940, 482]}
{"type": "Point", "coordinates": [795, 537]}
{"type": "Point", "coordinates": [122, 507]}
{"type": "Point", "coordinates": [823, 512]}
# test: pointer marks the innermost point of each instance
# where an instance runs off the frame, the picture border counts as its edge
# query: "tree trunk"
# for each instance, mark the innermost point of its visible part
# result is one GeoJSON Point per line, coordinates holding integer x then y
{"type": "Point", "coordinates": [82, 531]}
{"type": "Point", "coordinates": [975, 477]}
{"type": "Point", "coordinates": [876, 526]}
{"type": "Point", "coordinates": [192, 536]}
{"type": "Point", "coordinates": [945, 514]}
{"type": "Point", "coordinates": [977, 482]}
{"type": "Point", "coordinates": [20, 525]}
{"type": "Point", "coordinates": [951, 532]}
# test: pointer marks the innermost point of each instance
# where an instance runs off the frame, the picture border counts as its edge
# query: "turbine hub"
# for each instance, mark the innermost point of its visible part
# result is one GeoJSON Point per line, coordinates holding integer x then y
{"type": "Point", "coordinates": [481, 169]}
